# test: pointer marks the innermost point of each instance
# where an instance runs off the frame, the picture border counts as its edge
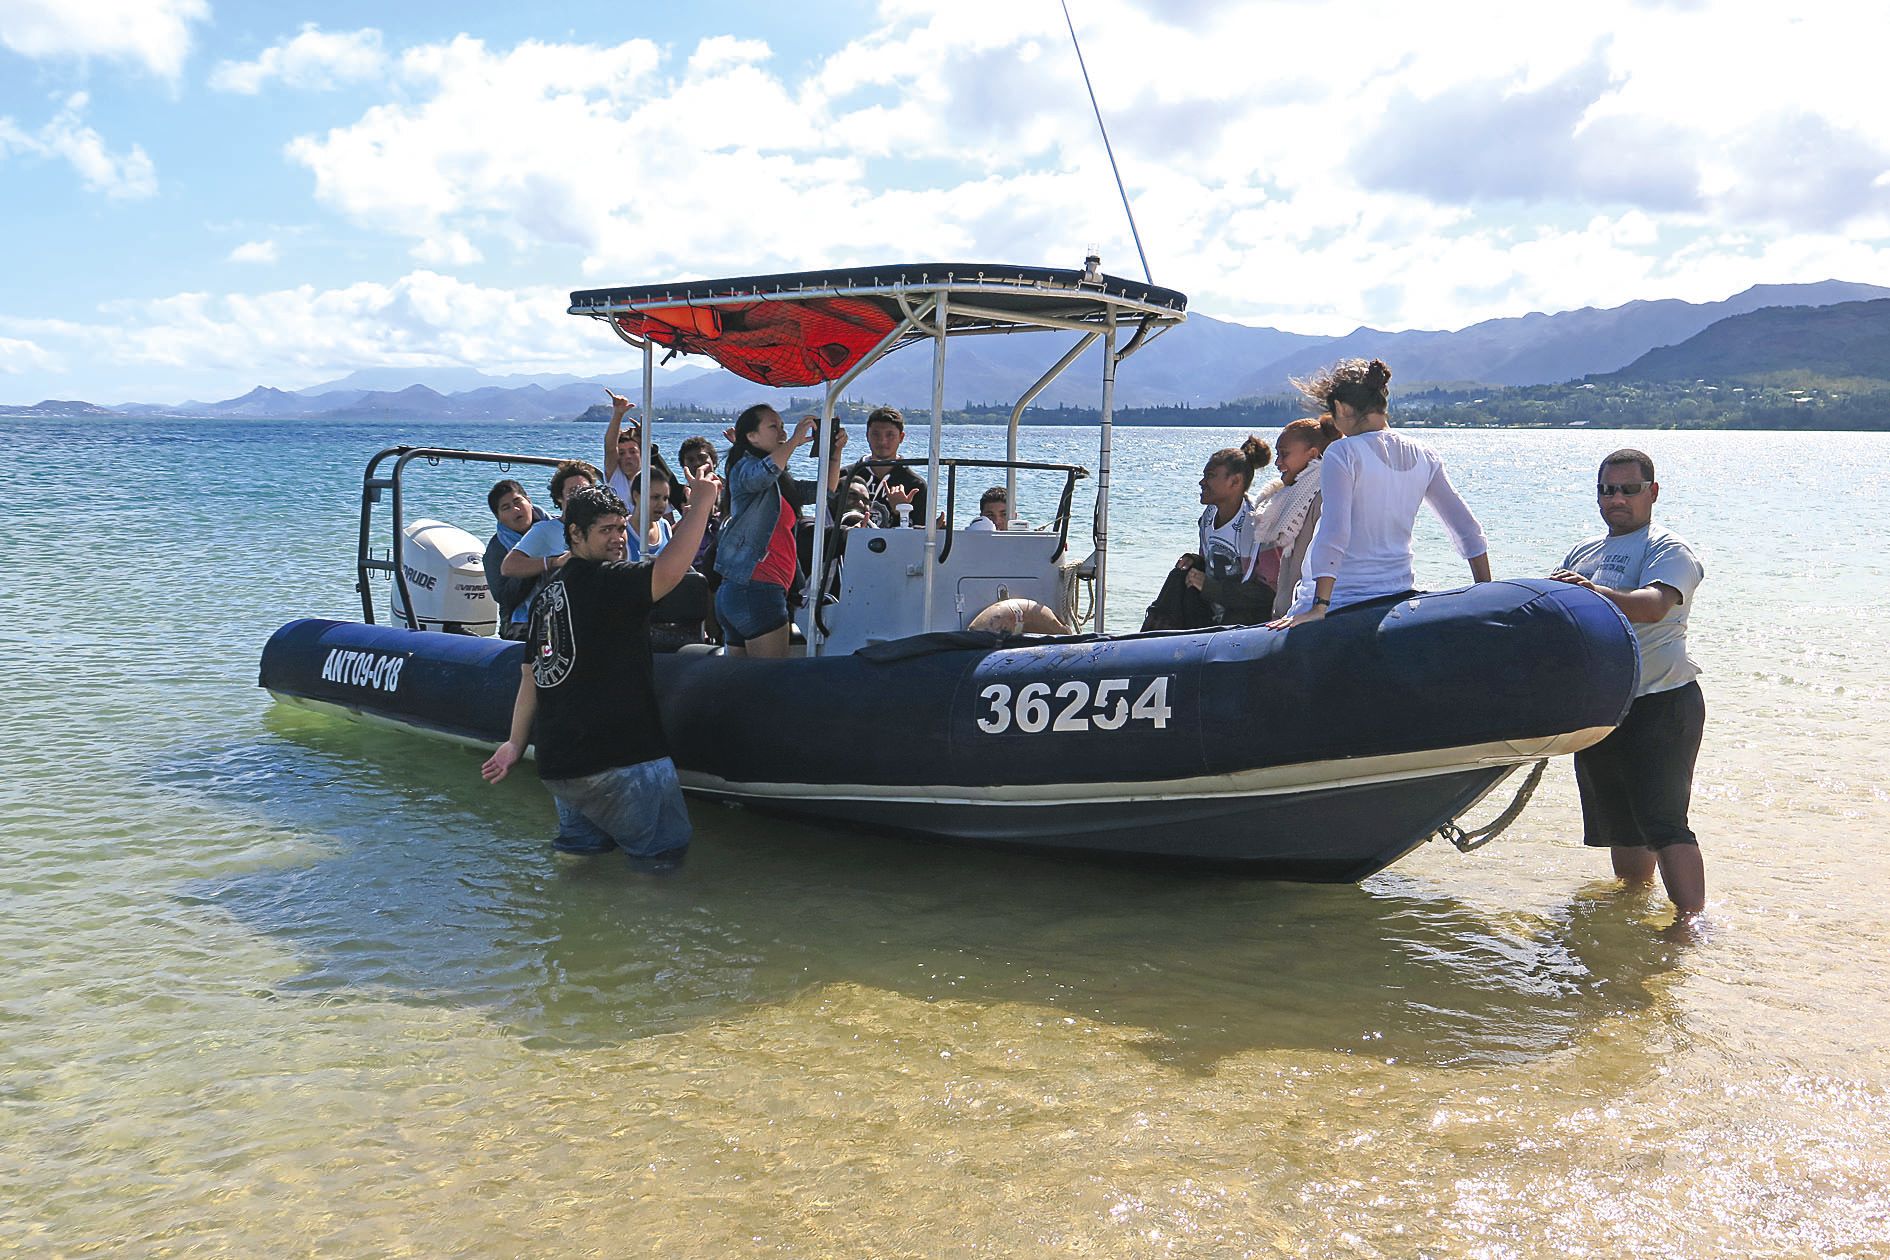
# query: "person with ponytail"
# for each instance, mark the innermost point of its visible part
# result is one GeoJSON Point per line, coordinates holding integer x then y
{"type": "Point", "coordinates": [1288, 507]}
{"type": "Point", "coordinates": [1372, 481]}
{"type": "Point", "coordinates": [1218, 584]}
{"type": "Point", "coordinates": [755, 551]}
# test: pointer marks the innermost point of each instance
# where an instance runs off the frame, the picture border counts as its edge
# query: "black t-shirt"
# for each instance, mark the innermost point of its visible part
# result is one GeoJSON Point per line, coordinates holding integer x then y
{"type": "Point", "coordinates": [589, 647]}
{"type": "Point", "coordinates": [879, 477]}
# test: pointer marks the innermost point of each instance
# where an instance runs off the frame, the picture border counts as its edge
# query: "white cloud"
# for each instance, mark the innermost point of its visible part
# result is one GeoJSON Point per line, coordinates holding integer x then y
{"type": "Point", "coordinates": [127, 175]}
{"type": "Point", "coordinates": [719, 52]}
{"type": "Point", "coordinates": [254, 252]}
{"type": "Point", "coordinates": [313, 59]}
{"type": "Point", "coordinates": [155, 33]}
{"type": "Point", "coordinates": [297, 336]}
{"type": "Point", "coordinates": [1453, 166]}
{"type": "Point", "coordinates": [18, 356]}
{"type": "Point", "coordinates": [448, 249]}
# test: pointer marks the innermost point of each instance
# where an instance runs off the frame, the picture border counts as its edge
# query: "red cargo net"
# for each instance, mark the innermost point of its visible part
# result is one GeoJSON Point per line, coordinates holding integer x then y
{"type": "Point", "coordinates": [797, 342]}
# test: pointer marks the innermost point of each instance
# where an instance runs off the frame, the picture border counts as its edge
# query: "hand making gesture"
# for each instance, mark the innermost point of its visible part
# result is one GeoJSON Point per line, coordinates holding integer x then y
{"type": "Point", "coordinates": [623, 452]}
{"type": "Point", "coordinates": [707, 485]}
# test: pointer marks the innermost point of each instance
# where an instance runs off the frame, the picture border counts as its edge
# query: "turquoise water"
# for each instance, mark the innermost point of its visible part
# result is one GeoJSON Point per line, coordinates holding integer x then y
{"type": "Point", "coordinates": [277, 984]}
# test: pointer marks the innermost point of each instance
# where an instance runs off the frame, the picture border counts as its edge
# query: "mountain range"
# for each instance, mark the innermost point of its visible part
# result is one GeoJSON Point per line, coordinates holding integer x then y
{"type": "Point", "coordinates": [1202, 362]}
{"type": "Point", "coordinates": [1846, 342]}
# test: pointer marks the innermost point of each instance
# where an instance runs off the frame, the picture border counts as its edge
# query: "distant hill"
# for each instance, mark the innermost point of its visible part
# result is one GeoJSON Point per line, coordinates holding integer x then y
{"type": "Point", "coordinates": [1543, 349]}
{"type": "Point", "coordinates": [1802, 345]}
{"type": "Point", "coordinates": [1203, 363]}
{"type": "Point", "coordinates": [61, 408]}
{"type": "Point", "coordinates": [260, 402]}
{"type": "Point", "coordinates": [461, 380]}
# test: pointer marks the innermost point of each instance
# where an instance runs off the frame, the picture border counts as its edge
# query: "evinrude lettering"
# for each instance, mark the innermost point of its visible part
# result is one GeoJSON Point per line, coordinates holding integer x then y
{"type": "Point", "coordinates": [375, 671]}
{"type": "Point", "coordinates": [425, 581]}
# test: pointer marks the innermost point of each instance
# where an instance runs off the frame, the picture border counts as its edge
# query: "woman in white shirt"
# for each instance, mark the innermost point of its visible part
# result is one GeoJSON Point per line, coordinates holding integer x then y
{"type": "Point", "coordinates": [1372, 483]}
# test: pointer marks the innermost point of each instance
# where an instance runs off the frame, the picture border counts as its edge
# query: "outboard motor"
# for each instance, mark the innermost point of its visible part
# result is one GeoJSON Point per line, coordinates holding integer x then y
{"type": "Point", "coordinates": [446, 577]}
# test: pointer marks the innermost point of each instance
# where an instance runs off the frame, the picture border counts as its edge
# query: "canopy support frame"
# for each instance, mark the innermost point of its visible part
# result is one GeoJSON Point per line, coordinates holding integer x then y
{"type": "Point", "coordinates": [928, 309]}
{"type": "Point", "coordinates": [814, 631]}
{"type": "Point", "coordinates": [1029, 396]}
{"type": "Point", "coordinates": [1101, 530]}
{"type": "Point", "coordinates": [646, 440]}
{"type": "Point", "coordinates": [943, 334]}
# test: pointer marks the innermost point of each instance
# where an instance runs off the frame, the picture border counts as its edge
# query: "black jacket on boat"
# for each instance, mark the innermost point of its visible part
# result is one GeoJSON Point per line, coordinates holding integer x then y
{"type": "Point", "coordinates": [508, 593]}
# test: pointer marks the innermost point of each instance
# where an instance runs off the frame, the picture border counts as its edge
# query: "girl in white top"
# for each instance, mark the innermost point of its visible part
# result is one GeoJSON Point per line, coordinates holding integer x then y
{"type": "Point", "coordinates": [1287, 508]}
{"type": "Point", "coordinates": [653, 543]}
{"type": "Point", "coordinates": [1372, 483]}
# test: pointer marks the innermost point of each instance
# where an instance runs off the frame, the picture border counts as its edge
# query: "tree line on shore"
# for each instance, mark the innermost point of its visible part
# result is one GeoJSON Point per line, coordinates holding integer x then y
{"type": "Point", "coordinates": [1604, 404]}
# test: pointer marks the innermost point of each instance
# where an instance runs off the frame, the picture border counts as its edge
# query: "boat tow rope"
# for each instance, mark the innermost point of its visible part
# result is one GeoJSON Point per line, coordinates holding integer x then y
{"type": "Point", "coordinates": [1470, 841]}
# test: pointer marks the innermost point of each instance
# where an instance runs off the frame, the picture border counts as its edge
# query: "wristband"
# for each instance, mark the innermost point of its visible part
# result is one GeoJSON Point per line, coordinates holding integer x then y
{"type": "Point", "coordinates": [1321, 603]}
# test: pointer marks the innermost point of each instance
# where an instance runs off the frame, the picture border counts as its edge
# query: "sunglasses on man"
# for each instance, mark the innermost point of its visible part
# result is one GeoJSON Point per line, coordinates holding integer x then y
{"type": "Point", "coordinates": [1628, 489]}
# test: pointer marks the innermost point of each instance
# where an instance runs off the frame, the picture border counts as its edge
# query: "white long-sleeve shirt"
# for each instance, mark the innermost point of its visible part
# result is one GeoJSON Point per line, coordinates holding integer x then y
{"type": "Point", "coordinates": [1373, 484]}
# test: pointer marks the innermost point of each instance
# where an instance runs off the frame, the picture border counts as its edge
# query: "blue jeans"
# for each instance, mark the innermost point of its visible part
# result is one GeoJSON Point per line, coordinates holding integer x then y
{"type": "Point", "coordinates": [748, 610]}
{"type": "Point", "coordinates": [638, 809]}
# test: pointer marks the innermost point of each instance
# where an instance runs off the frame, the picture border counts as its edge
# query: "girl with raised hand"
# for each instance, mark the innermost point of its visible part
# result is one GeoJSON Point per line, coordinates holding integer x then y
{"type": "Point", "coordinates": [755, 552]}
{"type": "Point", "coordinates": [1373, 481]}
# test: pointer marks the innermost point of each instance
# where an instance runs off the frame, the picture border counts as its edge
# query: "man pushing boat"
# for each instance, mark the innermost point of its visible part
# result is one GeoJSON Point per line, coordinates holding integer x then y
{"type": "Point", "coordinates": [1637, 783]}
{"type": "Point", "coordinates": [587, 692]}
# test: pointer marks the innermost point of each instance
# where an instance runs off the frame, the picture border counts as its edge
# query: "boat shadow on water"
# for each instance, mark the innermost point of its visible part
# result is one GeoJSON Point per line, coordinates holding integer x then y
{"type": "Point", "coordinates": [454, 897]}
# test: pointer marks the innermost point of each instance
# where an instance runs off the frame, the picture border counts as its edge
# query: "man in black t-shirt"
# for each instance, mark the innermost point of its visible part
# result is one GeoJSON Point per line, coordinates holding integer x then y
{"type": "Point", "coordinates": [587, 692]}
{"type": "Point", "coordinates": [887, 485]}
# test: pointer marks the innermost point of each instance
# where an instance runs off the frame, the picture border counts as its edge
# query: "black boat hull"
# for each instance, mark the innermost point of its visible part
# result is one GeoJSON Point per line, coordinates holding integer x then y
{"type": "Point", "coordinates": [1324, 753]}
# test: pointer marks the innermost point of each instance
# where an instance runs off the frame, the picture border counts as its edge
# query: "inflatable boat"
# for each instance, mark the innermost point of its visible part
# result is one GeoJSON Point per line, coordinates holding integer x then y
{"type": "Point", "coordinates": [1325, 752]}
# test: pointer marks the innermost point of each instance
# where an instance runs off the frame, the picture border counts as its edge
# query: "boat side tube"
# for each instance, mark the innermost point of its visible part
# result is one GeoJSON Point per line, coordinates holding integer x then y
{"type": "Point", "coordinates": [1323, 752]}
{"type": "Point", "coordinates": [455, 685]}
{"type": "Point", "coordinates": [1501, 662]}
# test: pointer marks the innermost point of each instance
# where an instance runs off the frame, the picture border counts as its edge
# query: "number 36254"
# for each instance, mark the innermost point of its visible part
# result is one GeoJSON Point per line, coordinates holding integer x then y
{"type": "Point", "coordinates": [1073, 706]}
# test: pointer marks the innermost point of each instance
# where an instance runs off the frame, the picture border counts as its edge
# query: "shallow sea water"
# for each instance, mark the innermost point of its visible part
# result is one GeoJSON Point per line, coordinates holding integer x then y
{"type": "Point", "coordinates": [280, 985]}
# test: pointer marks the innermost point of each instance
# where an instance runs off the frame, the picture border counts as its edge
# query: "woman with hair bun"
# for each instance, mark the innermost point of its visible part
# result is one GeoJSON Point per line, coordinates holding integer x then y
{"type": "Point", "coordinates": [1373, 481]}
{"type": "Point", "coordinates": [1218, 585]}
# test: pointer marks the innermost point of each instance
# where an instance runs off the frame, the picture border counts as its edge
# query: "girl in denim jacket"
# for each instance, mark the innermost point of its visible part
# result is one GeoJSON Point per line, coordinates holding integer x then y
{"type": "Point", "coordinates": [756, 553]}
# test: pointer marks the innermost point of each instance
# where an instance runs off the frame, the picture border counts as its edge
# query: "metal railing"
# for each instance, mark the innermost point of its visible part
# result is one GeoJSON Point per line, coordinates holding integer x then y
{"type": "Point", "coordinates": [373, 484]}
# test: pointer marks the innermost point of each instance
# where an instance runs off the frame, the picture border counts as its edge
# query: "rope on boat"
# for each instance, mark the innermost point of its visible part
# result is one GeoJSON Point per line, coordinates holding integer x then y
{"type": "Point", "coordinates": [1469, 841]}
{"type": "Point", "coordinates": [1074, 588]}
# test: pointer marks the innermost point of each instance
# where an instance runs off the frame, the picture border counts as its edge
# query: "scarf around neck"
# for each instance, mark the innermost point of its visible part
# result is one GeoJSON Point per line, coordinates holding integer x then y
{"type": "Point", "coordinates": [510, 536]}
{"type": "Point", "coordinates": [1281, 509]}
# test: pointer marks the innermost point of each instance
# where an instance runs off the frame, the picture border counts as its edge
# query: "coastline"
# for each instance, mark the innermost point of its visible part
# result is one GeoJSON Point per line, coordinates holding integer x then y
{"type": "Point", "coordinates": [1201, 418]}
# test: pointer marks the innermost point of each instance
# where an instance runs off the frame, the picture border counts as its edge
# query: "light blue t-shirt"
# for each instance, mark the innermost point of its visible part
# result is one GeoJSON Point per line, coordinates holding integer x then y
{"type": "Point", "coordinates": [541, 542]}
{"type": "Point", "coordinates": [636, 551]}
{"type": "Point", "coordinates": [1627, 562]}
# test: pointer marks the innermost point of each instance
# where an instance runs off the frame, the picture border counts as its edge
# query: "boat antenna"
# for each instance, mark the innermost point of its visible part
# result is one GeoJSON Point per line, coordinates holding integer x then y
{"type": "Point", "coordinates": [1107, 148]}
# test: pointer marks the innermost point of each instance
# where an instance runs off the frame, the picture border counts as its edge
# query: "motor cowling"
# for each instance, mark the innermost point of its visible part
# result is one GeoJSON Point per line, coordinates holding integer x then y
{"type": "Point", "coordinates": [446, 578]}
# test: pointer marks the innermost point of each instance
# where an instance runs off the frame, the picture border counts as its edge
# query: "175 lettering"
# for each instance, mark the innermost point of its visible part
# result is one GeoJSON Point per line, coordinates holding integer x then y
{"type": "Point", "coordinates": [1070, 706]}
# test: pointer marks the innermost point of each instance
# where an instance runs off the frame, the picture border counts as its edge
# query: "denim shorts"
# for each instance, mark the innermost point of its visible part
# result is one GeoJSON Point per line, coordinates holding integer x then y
{"type": "Point", "coordinates": [638, 809]}
{"type": "Point", "coordinates": [748, 610]}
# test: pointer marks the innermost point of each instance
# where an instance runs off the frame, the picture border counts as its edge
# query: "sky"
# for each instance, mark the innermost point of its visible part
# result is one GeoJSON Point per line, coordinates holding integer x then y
{"type": "Point", "coordinates": [199, 196]}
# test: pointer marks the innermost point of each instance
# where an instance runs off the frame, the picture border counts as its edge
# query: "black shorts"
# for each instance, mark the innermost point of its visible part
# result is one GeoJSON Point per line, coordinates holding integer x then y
{"type": "Point", "coordinates": [1636, 784]}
